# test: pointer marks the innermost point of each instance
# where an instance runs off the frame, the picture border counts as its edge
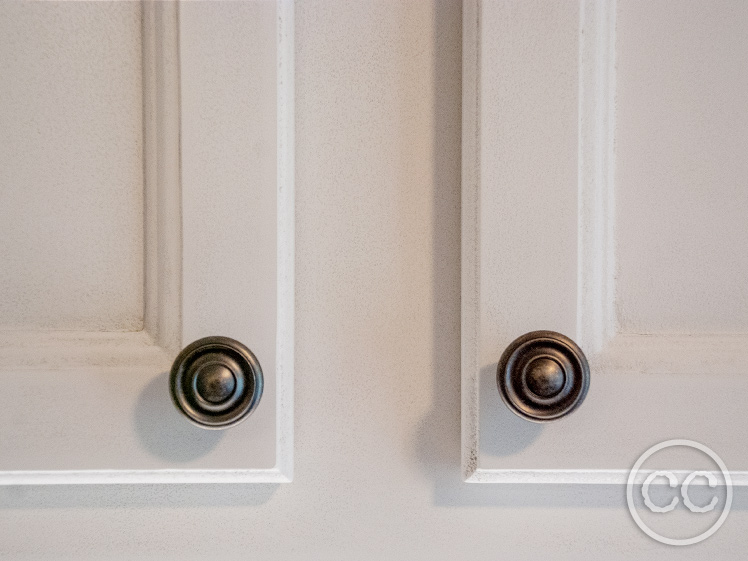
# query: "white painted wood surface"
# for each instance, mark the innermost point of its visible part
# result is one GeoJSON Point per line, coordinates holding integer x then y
{"type": "Point", "coordinates": [178, 223]}
{"type": "Point", "coordinates": [71, 165]}
{"type": "Point", "coordinates": [377, 441]}
{"type": "Point", "coordinates": [604, 196]}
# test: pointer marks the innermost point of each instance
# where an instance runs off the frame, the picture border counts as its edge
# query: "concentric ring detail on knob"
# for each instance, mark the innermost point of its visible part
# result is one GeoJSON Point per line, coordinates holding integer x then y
{"type": "Point", "coordinates": [216, 382]}
{"type": "Point", "coordinates": [543, 376]}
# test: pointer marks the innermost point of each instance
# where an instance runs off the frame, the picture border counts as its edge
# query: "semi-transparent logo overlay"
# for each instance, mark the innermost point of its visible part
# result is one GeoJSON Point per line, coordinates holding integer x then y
{"type": "Point", "coordinates": [679, 507]}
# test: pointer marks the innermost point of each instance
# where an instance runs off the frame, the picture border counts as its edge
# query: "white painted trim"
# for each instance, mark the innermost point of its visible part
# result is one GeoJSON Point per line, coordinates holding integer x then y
{"type": "Point", "coordinates": [161, 337]}
{"type": "Point", "coordinates": [142, 477]}
{"type": "Point", "coordinates": [60, 350]}
{"type": "Point", "coordinates": [673, 354]}
{"type": "Point", "coordinates": [596, 321]}
{"type": "Point", "coordinates": [470, 266]}
{"type": "Point", "coordinates": [596, 243]}
{"type": "Point", "coordinates": [161, 131]}
{"type": "Point", "coordinates": [588, 477]}
{"type": "Point", "coordinates": [162, 174]}
{"type": "Point", "coordinates": [286, 241]}
{"type": "Point", "coordinates": [610, 353]}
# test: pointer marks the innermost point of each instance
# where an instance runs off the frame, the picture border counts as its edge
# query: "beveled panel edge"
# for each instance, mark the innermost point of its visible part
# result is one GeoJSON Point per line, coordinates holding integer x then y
{"type": "Point", "coordinates": [162, 174]}
{"type": "Point", "coordinates": [596, 314]}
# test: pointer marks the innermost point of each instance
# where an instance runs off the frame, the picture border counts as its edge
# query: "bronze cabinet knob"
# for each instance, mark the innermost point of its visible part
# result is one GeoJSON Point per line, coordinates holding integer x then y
{"type": "Point", "coordinates": [216, 382]}
{"type": "Point", "coordinates": [543, 376]}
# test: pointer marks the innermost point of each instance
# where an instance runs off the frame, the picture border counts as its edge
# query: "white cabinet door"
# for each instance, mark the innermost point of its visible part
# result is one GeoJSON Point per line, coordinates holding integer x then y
{"type": "Point", "coordinates": [146, 201]}
{"type": "Point", "coordinates": [605, 196]}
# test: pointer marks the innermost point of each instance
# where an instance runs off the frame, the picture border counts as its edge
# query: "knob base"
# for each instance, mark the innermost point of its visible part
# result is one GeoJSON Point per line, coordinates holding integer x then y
{"type": "Point", "coordinates": [216, 382]}
{"type": "Point", "coordinates": [543, 376]}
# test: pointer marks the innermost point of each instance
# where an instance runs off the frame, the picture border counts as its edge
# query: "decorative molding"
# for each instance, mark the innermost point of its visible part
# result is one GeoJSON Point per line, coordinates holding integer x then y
{"type": "Point", "coordinates": [695, 369]}
{"type": "Point", "coordinates": [158, 343]}
{"type": "Point", "coordinates": [161, 337]}
{"type": "Point", "coordinates": [596, 322]}
{"type": "Point", "coordinates": [470, 267]}
{"type": "Point", "coordinates": [286, 241]}
{"type": "Point", "coordinates": [142, 477]}
{"type": "Point", "coordinates": [588, 477]}
{"type": "Point", "coordinates": [60, 350]}
{"type": "Point", "coordinates": [162, 174]}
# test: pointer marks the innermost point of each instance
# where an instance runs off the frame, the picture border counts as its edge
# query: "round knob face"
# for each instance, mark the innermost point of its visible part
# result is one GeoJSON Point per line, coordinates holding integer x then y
{"type": "Point", "coordinates": [216, 382]}
{"type": "Point", "coordinates": [543, 376]}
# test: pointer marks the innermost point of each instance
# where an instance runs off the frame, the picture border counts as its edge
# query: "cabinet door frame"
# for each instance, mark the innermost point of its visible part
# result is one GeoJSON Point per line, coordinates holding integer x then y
{"type": "Point", "coordinates": [647, 357]}
{"type": "Point", "coordinates": [155, 347]}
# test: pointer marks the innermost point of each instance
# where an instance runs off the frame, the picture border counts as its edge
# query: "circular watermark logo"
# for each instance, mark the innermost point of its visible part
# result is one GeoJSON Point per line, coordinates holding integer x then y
{"type": "Point", "coordinates": [708, 509]}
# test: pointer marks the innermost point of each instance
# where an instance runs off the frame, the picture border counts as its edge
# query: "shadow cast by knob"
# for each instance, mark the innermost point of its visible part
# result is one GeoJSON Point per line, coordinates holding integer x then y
{"type": "Point", "coordinates": [166, 433]}
{"type": "Point", "coordinates": [502, 432]}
